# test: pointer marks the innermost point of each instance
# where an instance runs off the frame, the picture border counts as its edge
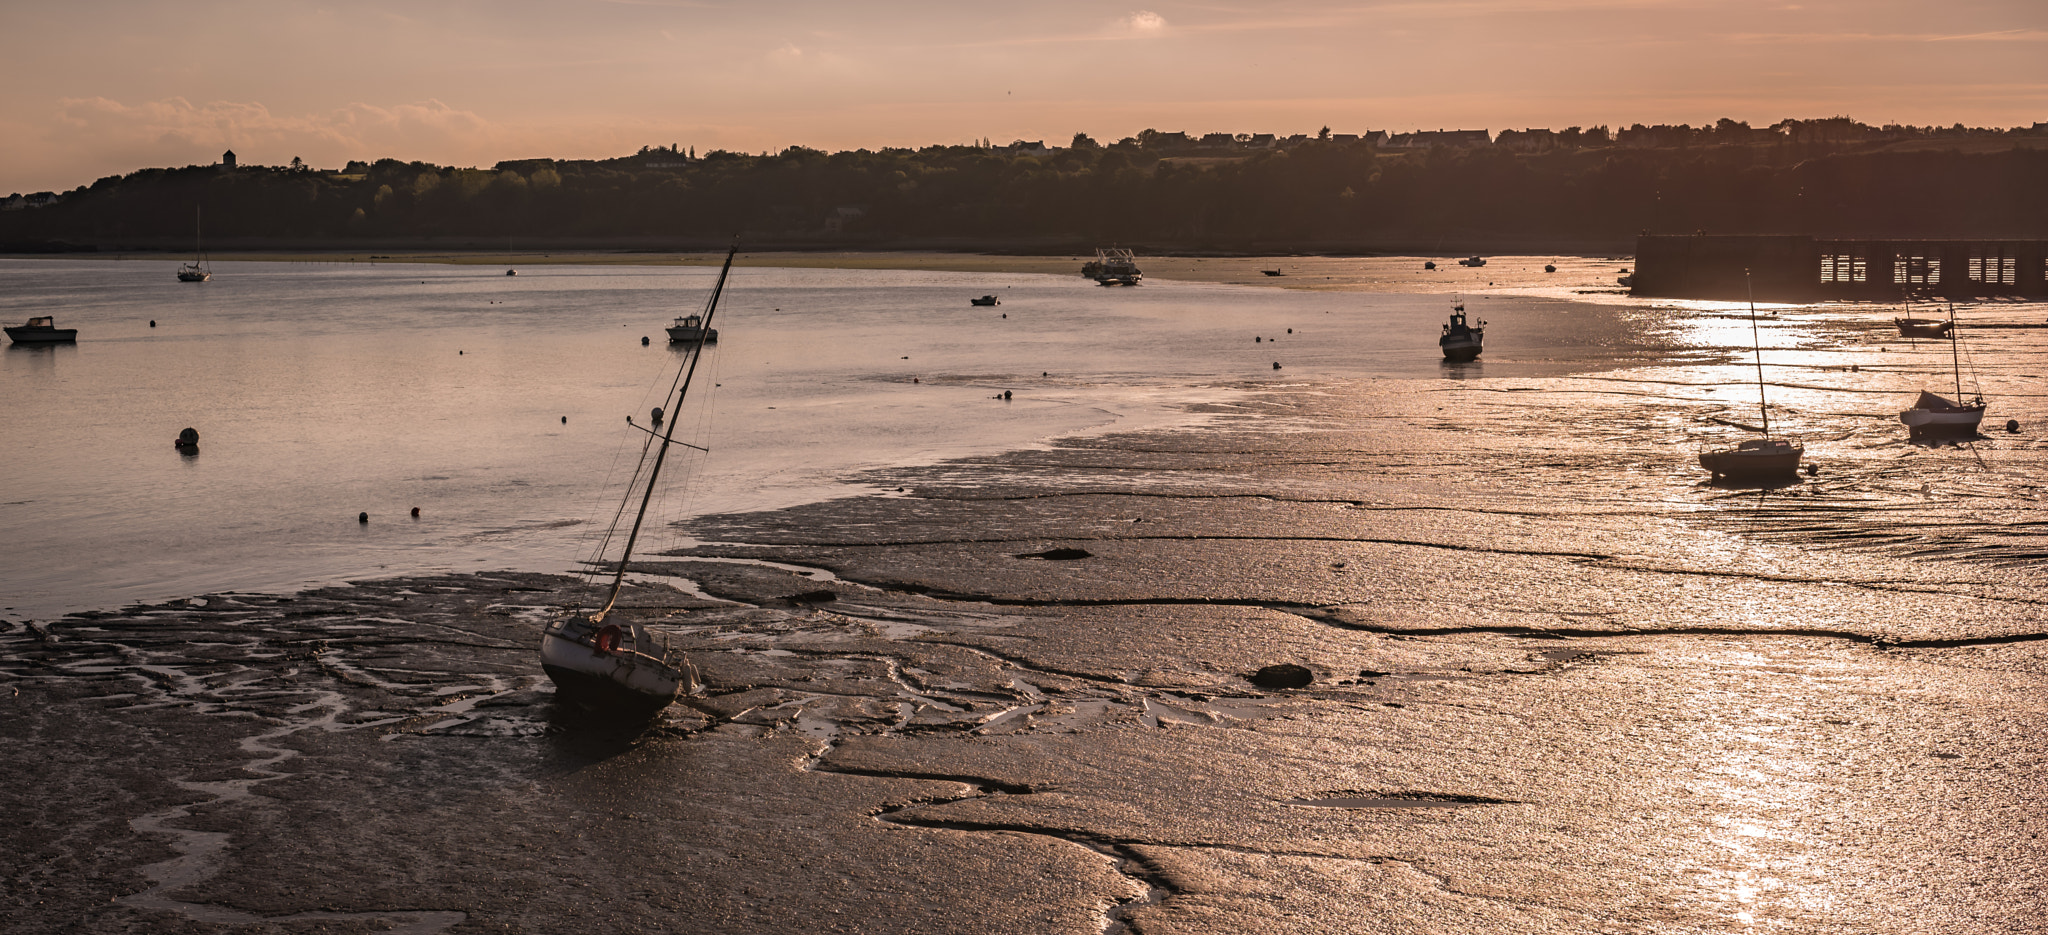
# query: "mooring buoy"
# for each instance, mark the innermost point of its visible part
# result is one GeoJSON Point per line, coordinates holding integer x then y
{"type": "Point", "coordinates": [643, 340]}
{"type": "Point", "coordinates": [2012, 425]}
{"type": "Point", "coordinates": [362, 517]}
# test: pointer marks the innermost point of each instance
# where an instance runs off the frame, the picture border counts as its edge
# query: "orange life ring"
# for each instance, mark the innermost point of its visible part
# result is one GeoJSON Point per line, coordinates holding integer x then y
{"type": "Point", "coordinates": [608, 638]}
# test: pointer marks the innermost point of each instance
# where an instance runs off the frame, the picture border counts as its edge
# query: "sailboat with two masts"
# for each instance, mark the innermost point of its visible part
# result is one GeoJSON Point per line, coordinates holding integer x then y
{"type": "Point", "coordinates": [196, 270]}
{"type": "Point", "coordinates": [1935, 415]}
{"type": "Point", "coordinates": [596, 662]}
{"type": "Point", "coordinates": [1765, 458]}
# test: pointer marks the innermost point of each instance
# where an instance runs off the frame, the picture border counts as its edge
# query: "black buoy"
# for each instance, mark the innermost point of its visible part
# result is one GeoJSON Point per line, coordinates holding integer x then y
{"type": "Point", "coordinates": [1006, 394]}
{"type": "Point", "coordinates": [458, 353]}
{"type": "Point", "coordinates": [1812, 470]}
{"type": "Point", "coordinates": [152, 323]}
{"type": "Point", "coordinates": [2012, 425]}
{"type": "Point", "coordinates": [188, 439]}
{"type": "Point", "coordinates": [643, 340]}
{"type": "Point", "coordinates": [565, 420]}
{"type": "Point", "coordinates": [657, 416]}
{"type": "Point", "coordinates": [415, 512]}
{"type": "Point", "coordinates": [1276, 365]}
{"type": "Point", "coordinates": [1256, 340]}
{"type": "Point", "coordinates": [362, 517]}
{"type": "Point", "coordinates": [1290, 331]}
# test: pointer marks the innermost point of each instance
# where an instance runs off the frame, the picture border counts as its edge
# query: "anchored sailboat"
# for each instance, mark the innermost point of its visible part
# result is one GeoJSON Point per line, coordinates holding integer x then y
{"type": "Point", "coordinates": [600, 664]}
{"type": "Point", "coordinates": [1934, 415]}
{"type": "Point", "coordinates": [196, 270]}
{"type": "Point", "coordinates": [1763, 458]}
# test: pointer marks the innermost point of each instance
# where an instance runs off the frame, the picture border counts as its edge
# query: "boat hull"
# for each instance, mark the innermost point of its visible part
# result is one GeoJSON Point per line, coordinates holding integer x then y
{"type": "Point", "coordinates": [42, 335]}
{"type": "Point", "coordinates": [1957, 420]}
{"type": "Point", "coordinates": [1460, 351]}
{"type": "Point", "coordinates": [1774, 462]}
{"type": "Point", "coordinates": [619, 682]}
{"type": "Point", "coordinates": [681, 335]}
{"type": "Point", "coordinates": [1923, 327]}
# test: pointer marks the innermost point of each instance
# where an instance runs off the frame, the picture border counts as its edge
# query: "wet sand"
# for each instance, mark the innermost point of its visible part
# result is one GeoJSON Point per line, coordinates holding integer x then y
{"type": "Point", "coordinates": [1561, 685]}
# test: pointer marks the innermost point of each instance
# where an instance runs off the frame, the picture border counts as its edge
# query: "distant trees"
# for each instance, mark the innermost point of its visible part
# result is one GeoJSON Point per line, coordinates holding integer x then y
{"type": "Point", "coordinates": [1831, 177]}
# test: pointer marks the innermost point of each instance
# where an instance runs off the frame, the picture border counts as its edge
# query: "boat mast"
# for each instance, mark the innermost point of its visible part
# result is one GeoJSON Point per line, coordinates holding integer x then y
{"type": "Point", "coordinates": [1954, 355]}
{"type": "Point", "coordinates": [711, 308]}
{"type": "Point", "coordinates": [1756, 342]}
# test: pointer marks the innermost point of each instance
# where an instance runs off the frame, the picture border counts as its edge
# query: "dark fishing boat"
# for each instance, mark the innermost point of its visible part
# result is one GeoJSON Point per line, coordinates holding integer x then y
{"type": "Point", "coordinates": [1923, 327]}
{"type": "Point", "coordinates": [985, 300]}
{"type": "Point", "coordinates": [1460, 341]}
{"type": "Point", "coordinates": [1756, 459]}
{"type": "Point", "coordinates": [614, 668]}
{"type": "Point", "coordinates": [42, 330]}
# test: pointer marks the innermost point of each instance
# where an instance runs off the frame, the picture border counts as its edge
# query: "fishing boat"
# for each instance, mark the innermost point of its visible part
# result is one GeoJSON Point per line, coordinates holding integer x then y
{"type": "Point", "coordinates": [1473, 261]}
{"type": "Point", "coordinates": [1936, 415]}
{"type": "Point", "coordinates": [690, 329]}
{"type": "Point", "coordinates": [42, 330]}
{"type": "Point", "coordinates": [196, 270]}
{"type": "Point", "coordinates": [617, 668]}
{"type": "Point", "coordinates": [1273, 272]}
{"type": "Point", "coordinates": [1459, 341]}
{"type": "Point", "coordinates": [985, 300]}
{"type": "Point", "coordinates": [1756, 459]}
{"type": "Point", "coordinates": [1113, 266]}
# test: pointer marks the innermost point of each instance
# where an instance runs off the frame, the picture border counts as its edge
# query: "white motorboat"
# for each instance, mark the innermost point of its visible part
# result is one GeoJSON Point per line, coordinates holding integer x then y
{"type": "Point", "coordinates": [616, 668]}
{"type": "Point", "coordinates": [690, 329]}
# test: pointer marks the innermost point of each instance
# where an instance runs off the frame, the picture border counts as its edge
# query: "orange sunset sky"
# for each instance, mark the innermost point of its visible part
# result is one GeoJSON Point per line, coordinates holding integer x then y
{"type": "Point", "coordinates": [102, 87]}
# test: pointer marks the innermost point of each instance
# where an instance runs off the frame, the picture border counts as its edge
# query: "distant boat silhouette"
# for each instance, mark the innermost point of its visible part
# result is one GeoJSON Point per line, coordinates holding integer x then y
{"type": "Point", "coordinates": [196, 270]}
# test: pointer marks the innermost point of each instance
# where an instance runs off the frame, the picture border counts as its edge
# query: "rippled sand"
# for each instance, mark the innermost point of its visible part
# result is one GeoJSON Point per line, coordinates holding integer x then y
{"type": "Point", "coordinates": [1562, 684]}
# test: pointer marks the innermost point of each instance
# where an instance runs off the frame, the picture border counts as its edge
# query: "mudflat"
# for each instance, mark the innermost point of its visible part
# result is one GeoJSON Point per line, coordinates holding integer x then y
{"type": "Point", "coordinates": [1559, 684]}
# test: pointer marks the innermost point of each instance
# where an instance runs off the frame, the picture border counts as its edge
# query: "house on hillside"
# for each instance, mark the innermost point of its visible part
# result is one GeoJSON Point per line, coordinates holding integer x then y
{"type": "Point", "coordinates": [1527, 141]}
{"type": "Point", "coordinates": [1440, 139]}
{"type": "Point", "coordinates": [1027, 148]}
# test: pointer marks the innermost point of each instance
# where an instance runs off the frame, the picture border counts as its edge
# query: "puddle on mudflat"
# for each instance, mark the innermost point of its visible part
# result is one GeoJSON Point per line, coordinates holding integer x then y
{"type": "Point", "coordinates": [1361, 801]}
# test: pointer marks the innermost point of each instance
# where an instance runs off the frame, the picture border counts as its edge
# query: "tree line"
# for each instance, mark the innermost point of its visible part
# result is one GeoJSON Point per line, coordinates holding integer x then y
{"type": "Point", "coordinates": [1317, 193]}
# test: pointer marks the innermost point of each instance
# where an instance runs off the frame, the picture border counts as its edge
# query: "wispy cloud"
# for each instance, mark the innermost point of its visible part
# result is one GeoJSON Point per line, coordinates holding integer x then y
{"type": "Point", "coordinates": [1145, 21]}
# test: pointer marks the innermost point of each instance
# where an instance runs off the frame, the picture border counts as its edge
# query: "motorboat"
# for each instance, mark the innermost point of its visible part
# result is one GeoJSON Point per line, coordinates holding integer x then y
{"type": "Point", "coordinates": [1473, 261]}
{"type": "Point", "coordinates": [1460, 341]}
{"type": "Point", "coordinates": [985, 300]}
{"type": "Point", "coordinates": [689, 328]}
{"type": "Point", "coordinates": [41, 330]}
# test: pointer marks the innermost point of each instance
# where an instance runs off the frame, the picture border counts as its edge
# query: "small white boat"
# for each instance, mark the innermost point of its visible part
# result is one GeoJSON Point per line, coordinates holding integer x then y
{"type": "Point", "coordinates": [620, 670]}
{"type": "Point", "coordinates": [690, 328]}
{"type": "Point", "coordinates": [41, 330]}
{"type": "Point", "coordinates": [1459, 341]}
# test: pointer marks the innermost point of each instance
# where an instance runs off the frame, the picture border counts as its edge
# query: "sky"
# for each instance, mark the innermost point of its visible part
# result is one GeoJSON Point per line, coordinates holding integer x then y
{"type": "Point", "coordinates": [105, 87]}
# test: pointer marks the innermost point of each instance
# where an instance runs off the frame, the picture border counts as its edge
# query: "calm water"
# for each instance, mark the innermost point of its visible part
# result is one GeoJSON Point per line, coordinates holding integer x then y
{"type": "Point", "coordinates": [325, 390]}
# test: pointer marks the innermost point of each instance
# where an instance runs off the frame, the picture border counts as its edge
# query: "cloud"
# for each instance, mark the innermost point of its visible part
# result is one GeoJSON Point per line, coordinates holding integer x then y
{"type": "Point", "coordinates": [1145, 21]}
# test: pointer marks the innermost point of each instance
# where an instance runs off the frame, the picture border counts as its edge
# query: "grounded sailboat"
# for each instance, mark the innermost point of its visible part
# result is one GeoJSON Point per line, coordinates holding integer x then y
{"type": "Point", "coordinates": [1935, 415]}
{"type": "Point", "coordinates": [619, 670]}
{"type": "Point", "coordinates": [1754, 459]}
{"type": "Point", "coordinates": [196, 270]}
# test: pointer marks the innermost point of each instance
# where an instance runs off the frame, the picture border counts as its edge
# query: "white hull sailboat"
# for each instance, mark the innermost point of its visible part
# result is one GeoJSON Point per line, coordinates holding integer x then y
{"type": "Point", "coordinates": [1936, 415]}
{"type": "Point", "coordinates": [618, 669]}
{"type": "Point", "coordinates": [1756, 459]}
{"type": "Point", "coordinates": [196, 270]}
